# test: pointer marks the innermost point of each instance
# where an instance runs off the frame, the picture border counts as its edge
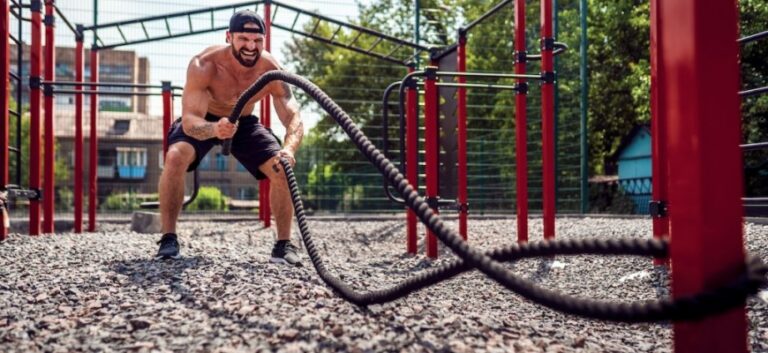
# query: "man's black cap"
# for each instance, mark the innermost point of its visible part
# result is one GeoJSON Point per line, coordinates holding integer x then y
{"type": "Point", "coordinates": [241, 18]}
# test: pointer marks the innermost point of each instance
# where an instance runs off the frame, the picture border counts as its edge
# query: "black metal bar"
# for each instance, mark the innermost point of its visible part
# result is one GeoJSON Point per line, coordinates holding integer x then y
{"type": "Point", "coordinates": [166, 16]}
{"type": "Point", "coordinates": [335, 33]}
{"type": "Point", "coordinates": [177, 35]}
{"type": "Point", "coordinates": [14, 76]}
{"type": "Point", "coordinates": [295, 20]}
{"type": "Point", "coordinates": [754, 146]}
{"type": "Point", "coordinates": [336, 43]}
{"type": "Point", "coordinates": [378, 40]}
{"type": "Point", "coordinates": [385, 140]}
{"type": "Point", "coordinates": [167, 26]}
{"type": "Point", "coordinates": [317, 24]}
{"type": "Point", "coordinates": [13, 149]}
{"type": "Point", "coordinates": [754, 92]}
{"type": "Point", "coordinates": [394, 50]}
{"type": "Point", "coordinates": [189, 20]}
{"type": "Point", "coordinates": [559, 49]}
{"type": "Point", "coordinates": [478, 85]}
{"type": "Point", "coordinates": [106, 84]}
{"type": "Point", "coordinates": [354, 40]}
{"type": "Point", "coordinates": [13, 112]}
{"type": "Point", "coordinates": [120, 30]}
{"type": "Point", "coordinates": [490, 12]}
{"type": "Point", "coordinates": [487, 75]}
{"type": "Point", "coordinates": [144, 28]}
{"type": "Point", "coordinates": [753, 37]}
{"type": "Point", "coordinates": [64, 18]}
{"type": "Point", "coordinates": [105, 93]}
{"type": "Point", "coordinates": [355, 27]}
{"type": "Point", "coordinates": [14, 39]}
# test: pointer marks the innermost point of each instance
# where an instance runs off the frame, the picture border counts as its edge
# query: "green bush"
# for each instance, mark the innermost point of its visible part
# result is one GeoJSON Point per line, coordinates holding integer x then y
{"type": "Point", "coordinates": [126, 201]}
{"type": "Point", "coordinates": [209, 198]}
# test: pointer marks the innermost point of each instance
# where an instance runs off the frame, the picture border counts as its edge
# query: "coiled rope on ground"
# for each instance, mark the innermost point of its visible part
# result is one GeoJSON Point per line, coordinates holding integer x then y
{"type": "Point", "coordinates": [730, 295]}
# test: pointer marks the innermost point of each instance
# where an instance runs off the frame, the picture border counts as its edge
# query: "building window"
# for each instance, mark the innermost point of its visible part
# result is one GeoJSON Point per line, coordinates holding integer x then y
{"type": "Point", "coordinates": [221, 162]}
{"type": "Point", "coordinates": [205, 163]}
{"type": "Point", "coordinates": [131, 162]}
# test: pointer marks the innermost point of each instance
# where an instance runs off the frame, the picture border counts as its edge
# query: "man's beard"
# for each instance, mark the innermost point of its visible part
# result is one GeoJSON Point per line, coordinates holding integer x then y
{"type": "Point", "coordinates": [245, 62]}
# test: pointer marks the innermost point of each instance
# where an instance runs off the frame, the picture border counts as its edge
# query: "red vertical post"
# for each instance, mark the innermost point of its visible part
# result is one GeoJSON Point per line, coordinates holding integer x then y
{"type": "Point", "coordinates": [93, 145]}
{"type": "Point", "coordinates": [548, 119]}
{"type": "Point", "coordinates": [167, 94]}
{"type": "Point", "coordinates": [412, 158]}
{"type": "Point", "coordinates": [261, 187]}
{"type": "Point", "coordinates": [264, 184]}
{"type": "Point", "coordinates": [701, 107]}
{"type": "Point", "coordinates": [50, 157]}
{"type": "Point", "coordinates": [521, 125]}
{"type": "Point", "coordinates": [461, 66]}
{"type": "Point", "coordinates": [431, 149]}
{"type": "Point", "coordinates": [5, 67]}
{"type": "Point", "coordinates": [659, 134]}
{"type": "Point", "coordinates": [35, 58]}
{"type": "Point", "coordinates": [79, 59]}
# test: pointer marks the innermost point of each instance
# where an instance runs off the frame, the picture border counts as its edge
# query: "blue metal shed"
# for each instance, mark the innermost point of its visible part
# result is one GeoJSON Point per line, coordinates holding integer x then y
{"type": "Point", "coordinates": [634, 161]}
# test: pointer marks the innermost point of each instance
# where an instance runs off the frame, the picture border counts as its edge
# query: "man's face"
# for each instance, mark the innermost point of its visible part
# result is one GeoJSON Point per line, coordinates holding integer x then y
{"type": "Point", "coordinates": [246, 47]}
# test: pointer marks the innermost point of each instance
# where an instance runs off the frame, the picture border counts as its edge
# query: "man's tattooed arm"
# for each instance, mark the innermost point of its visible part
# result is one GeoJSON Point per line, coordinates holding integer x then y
{"type": "Point", "coordinates": [201, 131]}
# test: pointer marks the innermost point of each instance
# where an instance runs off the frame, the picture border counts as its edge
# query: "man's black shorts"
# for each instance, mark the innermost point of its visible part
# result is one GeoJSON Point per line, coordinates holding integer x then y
{"type": "Point", "coordinates": [252, 145]}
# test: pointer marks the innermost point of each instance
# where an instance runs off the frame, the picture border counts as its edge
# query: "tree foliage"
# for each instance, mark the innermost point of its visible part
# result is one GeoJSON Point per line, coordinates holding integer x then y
{"type": "Point", "coordinates": [619, 81]}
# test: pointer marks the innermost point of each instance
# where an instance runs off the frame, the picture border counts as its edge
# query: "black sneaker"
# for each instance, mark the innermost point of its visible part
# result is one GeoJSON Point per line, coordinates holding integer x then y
{"type": "Point", "coordinates": [285, 253]}
{"type": "Point", "coordinates": [169, 247]}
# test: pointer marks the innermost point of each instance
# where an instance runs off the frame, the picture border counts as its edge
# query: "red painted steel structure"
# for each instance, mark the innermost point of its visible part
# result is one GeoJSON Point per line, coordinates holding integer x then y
{"type": "Point", "coordinates": [702, 108]}
{"type": "Point", "coordinates": [5, 67]}
{"type": "Point", "coordinates": [431, 148]}
{"type": "Point", "coordinates": [521, 127]}
{"type": "Point", "coordinates": [658, 131]}
{"type": "Point", "coordinates": [50, 75]}
{"type": "Point", "coordinates": [265, 118]}
{"type": "Point", "coordinates": [462, 135]}
{"type": "Point", "coordinates": [79, 60]}
{"type": "Point", "coordinates": [35, 58]}
{"type": "Point", "coordinates": [167, 96]}
{"type": "Point", "coordinates": [93, 145]}
{"type": "Point", "coordinates": [412, 159]}
{"type": "Point", "coordinates": [547, 122]}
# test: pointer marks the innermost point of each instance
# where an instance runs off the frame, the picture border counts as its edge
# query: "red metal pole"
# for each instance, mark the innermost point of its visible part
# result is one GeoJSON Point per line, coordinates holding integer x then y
{"type": "Point", "coordinates": [701, 107]}
{"type": "Point", "coordinates": [431, 149]}
{"type": "Point", "coordinates": [35, 58]}
{"type": "Point", "coordinates": [462, 135]}
{"type": "Point", "coordinates": [93, 145]}
{"type": "Point", "coordinates": [521, 126]}
{"type": "Point", "coordinates": [261, 186]}
{"type": "Point", "coordinates": [264, 184]}
{"type": "Point", "coordinates": [50, 158]}
{"type": "Point", "coordinates": [79, 58]}
{"type": "Point", "coordinates": [167, 112]}
{"type": "Point", "coordinates": [5, 67]}
{"type": "Point", "coordinates": [412, 159]}
{"type": "Point", "coordinates": [659, 132]}
{"type": "Point", "coordinates": [548, 119]}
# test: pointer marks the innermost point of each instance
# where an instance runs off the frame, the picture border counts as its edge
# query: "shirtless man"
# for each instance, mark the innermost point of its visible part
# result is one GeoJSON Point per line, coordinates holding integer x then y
{"type": "Point", "coordinates": [215, 79]}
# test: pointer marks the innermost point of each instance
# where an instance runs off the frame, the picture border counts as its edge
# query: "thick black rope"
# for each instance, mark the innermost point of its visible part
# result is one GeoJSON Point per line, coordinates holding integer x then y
{"type": "Point", "coordinates": [693, 307]}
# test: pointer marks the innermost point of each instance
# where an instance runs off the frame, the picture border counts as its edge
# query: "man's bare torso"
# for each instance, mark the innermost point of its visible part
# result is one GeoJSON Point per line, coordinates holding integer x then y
{"type": "Point", "coordinates": [227, 83]}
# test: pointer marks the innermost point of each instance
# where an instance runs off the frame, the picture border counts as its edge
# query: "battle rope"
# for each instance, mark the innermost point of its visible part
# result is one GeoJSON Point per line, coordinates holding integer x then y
{"type": "Point", "coordinates": [692, 307]}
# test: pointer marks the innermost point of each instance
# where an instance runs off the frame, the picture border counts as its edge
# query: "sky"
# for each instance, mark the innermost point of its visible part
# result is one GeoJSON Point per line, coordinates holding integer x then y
{"type": "Point", "coordinates": [168, 58]}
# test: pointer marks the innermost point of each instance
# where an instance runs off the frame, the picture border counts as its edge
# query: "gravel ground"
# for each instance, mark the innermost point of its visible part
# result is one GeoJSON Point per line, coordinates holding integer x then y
{"type": "Point", "coordinates": [103, 292]}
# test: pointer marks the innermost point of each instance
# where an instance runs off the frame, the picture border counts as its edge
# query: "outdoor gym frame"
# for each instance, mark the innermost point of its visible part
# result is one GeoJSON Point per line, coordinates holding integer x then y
{"type": "Point", "coordinates": [700, 207]}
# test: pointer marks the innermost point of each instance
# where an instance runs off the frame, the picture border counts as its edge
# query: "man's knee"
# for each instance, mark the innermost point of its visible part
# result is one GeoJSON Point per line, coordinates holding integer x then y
{"type": "Point", "coordinates": [178, 158]}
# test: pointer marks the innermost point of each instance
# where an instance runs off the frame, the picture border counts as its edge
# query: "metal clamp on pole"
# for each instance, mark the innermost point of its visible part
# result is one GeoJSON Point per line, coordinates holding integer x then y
{"type": "Point", "coordinates": [520, 56]}
{"type": "Point", "coordinates": [548, 77]}
{"type": "Point", "coordinates": [521, 87]}
{"type": "Point", "coordinates": [658, 209]}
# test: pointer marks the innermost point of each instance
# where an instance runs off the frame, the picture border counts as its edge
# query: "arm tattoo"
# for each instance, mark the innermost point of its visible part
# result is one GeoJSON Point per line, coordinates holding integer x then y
{"type": "Point", "coordinates": [287, 89]}
{"type": "Point", "coordinates": [202, 131]}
